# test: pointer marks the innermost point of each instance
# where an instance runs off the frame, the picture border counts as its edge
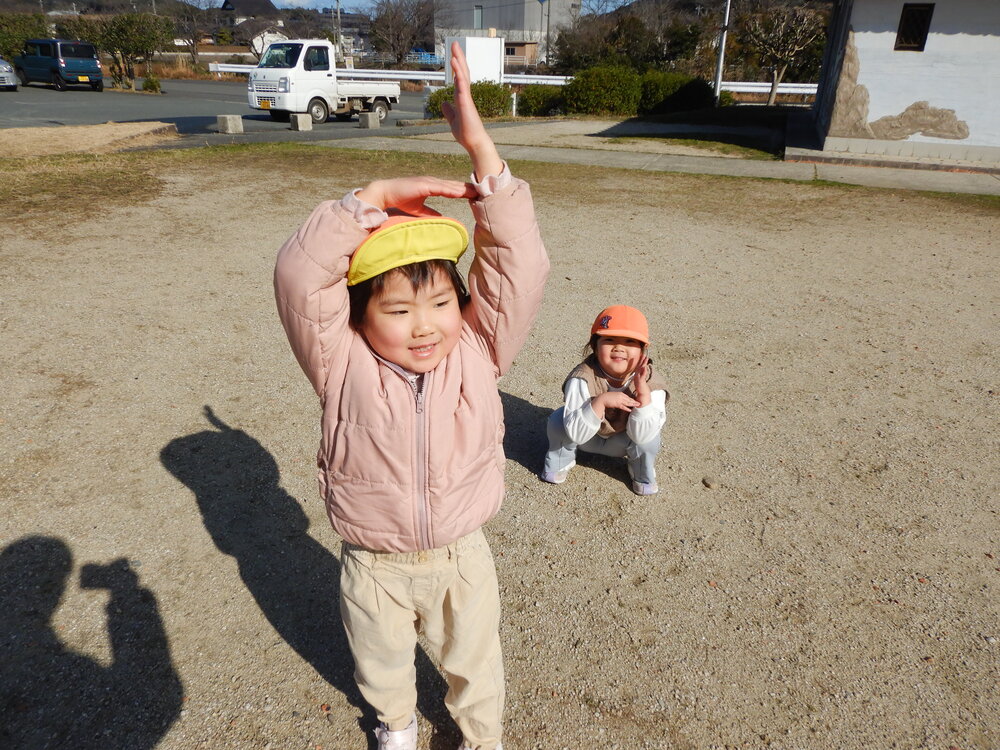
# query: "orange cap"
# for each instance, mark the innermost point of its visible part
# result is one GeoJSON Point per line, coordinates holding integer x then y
{"type": "Point", "coordinates": [621, 320]}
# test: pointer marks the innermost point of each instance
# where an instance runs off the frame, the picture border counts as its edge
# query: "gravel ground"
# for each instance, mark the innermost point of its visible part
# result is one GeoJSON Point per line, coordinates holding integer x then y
{"type": "Point", "coordinates": [820, 569]}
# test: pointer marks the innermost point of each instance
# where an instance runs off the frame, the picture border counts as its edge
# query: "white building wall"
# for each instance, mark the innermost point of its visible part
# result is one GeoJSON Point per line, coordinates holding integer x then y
{"type": "Point", "coordinates": [959, 68]}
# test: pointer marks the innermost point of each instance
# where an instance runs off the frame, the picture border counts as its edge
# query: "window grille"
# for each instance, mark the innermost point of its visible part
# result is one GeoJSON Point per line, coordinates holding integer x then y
{"type": "Point", "coordinates": [914, 25]}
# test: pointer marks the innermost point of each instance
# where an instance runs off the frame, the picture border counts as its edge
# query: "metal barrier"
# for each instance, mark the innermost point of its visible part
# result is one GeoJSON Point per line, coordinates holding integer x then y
{"type": "Point", "coordinates": [431, 76]}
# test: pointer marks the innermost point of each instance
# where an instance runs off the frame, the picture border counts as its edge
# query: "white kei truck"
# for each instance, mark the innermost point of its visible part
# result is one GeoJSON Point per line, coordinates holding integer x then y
{"type": "Point", "coordinates": [300, 75]}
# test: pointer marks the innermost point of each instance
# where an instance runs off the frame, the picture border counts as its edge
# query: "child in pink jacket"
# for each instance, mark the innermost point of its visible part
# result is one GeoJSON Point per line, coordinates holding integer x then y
{"type": "Point", "coordinates": [405, 360]}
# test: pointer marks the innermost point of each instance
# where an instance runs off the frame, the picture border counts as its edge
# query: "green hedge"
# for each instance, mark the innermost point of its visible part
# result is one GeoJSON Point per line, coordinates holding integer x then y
{"type": "Point", "coordinates": [540, 100]}
{"type": "Point", "coordinates": [674, 92]}
{"type": "Point", "coordinates": [613, 90]}
{"type": "Point", "coordinates": [16, 29]}
{"type": "Point", "coordinates": [492, 99]}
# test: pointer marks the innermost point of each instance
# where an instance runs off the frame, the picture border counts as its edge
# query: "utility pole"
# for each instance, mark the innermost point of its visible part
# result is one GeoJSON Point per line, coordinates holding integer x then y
{"type": "Point", "coordinates": [548, 28]}
{"type": "Point", "coordinates": [340, 35]}
{"type": "Point", "coordinates": [541, 28]}
{"type": "Point", "coordinates": [722, 53]}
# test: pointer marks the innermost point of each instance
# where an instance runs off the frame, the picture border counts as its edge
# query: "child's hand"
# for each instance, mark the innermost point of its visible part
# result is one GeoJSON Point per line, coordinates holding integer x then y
{"type": "Point", "coordinates": [466, 125]}
{"type": "Point", "coordinates": [409, 193]}
{"type": "Point", "coordinates": [639, 383]}
{"type": "Point", "coordinates": [612, 400]}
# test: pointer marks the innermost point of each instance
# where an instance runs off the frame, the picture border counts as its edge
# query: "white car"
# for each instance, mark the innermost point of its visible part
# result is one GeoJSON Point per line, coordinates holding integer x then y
{"type": "Point", "coordinates": [8, 79]}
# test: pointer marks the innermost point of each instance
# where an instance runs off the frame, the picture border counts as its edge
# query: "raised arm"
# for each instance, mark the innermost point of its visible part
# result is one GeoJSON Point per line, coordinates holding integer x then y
{"type": "Point", "coordinates": [466, 124]}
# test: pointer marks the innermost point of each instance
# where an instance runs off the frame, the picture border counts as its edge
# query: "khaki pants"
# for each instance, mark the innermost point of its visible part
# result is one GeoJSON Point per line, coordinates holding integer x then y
{"type": "Point", "coordinates": [451, 594]}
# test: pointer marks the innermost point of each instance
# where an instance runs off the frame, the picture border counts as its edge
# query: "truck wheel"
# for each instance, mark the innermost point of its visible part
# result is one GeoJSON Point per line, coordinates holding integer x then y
{"type": "Point", "coordinates": [97, 85]}
{"type": "Point", "coordinates": [58, 82]}
{"type": "Point", "coordinates": [22, 77]}
{"type": "Point", "coordinates": [318, 111]}
{"type": "Point", "coordinates": [279, 115]}
{"type": "Point", "coordinates": [380, 108]}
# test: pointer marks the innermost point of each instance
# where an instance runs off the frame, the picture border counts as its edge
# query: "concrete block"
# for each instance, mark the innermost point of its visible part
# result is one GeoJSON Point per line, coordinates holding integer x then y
{"type": "Point", "coordinates": [301, 121]}
{"type": "Point", "coordinates": [229, 123]}
{"type": "Point", "coordinates": [856, 146]}
{"type": "Point", "coordinates": [368, 120]}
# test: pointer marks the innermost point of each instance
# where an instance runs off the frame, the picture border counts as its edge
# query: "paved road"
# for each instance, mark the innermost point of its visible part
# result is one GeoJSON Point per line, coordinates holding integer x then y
{"type": "Point", "coordinates": [191, 105]}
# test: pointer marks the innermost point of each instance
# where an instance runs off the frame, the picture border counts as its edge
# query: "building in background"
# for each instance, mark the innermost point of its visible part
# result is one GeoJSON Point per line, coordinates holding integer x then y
{"type": "Point", "coordinates": [912, 79]}
{"type": "Point", "coordinates": [528, 27]}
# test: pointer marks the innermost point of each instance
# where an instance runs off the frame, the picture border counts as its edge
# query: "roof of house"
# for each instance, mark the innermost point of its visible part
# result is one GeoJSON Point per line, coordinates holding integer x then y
{"type": "Point", "coordinates": [256, 8]}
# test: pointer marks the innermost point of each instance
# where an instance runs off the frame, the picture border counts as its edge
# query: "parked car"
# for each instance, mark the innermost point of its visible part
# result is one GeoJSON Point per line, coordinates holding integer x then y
{"type": "Point", "coordinates": [61, 62]}
{"type": "Point", "coordinates": [7, 78]}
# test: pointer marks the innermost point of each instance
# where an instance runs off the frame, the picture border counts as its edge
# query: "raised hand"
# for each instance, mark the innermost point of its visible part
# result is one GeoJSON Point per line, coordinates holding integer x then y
{"type": "Point", "coordinates": [409, 193]}
{"type": "Point", "coordinates": [639, 383]}
{"type": "Point", "coordinates": [465, 122]}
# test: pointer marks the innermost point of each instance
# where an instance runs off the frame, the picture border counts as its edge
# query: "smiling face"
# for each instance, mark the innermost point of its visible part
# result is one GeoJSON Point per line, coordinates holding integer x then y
{"type": "Point", "coordinates": [618, 356]}
{"type": "Point", "coordinates": [413, 328]}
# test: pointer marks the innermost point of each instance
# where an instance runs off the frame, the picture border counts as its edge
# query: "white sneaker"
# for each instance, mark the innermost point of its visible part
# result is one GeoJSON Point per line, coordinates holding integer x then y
{"type": "Point", "coordinates": [642, 488]}
{"type": "Point", "coordinates": [463, 746]}
{"type": "Point", "coordinates": [401, 739]}
{"type": "Point", "coordinates": [556, 477]}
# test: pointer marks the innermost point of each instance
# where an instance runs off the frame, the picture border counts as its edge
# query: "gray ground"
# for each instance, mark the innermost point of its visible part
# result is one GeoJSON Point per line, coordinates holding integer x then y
{"type": "Point", "coordinates": [832, 358]}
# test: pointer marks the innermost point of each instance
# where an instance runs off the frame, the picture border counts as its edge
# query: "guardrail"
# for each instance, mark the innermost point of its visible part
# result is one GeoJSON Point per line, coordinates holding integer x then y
{"type": "Point", "coordinates": [432, 76]}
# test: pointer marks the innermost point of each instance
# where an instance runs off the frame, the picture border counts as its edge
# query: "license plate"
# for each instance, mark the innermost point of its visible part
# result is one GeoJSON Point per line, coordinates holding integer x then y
{"type": "Point", "coordinates": [83, 78]}
{"type": "Point", "coordinates": [265, 104]}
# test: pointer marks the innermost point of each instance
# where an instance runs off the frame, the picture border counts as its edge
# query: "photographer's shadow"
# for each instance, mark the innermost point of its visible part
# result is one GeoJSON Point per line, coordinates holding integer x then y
{"type": "Point", "coordinates": [53, 697]}
{"type": "Point", "coordinates": [295, 579]}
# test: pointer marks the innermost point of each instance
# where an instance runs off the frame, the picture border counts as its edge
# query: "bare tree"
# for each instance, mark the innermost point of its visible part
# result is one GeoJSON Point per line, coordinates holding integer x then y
{"type": "Point", "coordinates": [400, 25]}
{"type": "Point", "coordinates": [779, 35]}
{"type": "Point", "coordinates": [195, 19]}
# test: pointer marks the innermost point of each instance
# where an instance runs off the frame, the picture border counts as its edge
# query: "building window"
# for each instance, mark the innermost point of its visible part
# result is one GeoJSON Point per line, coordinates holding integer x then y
{"type": "Point", "coordinates": [509, 51]}
{"type": "Point", "coordinates": [477, 17]}
{"type": "Point", "coordinates": [914, 24]}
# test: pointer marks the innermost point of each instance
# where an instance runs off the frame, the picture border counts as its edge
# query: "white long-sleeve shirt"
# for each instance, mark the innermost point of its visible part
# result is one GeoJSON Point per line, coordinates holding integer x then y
{"type": "Point", "coordinates": [582, 423]}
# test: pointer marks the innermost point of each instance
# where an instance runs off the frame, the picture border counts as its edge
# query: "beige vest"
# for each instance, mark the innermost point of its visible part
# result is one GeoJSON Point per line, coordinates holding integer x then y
{"type": "Point", "coordinates": [591, 373]}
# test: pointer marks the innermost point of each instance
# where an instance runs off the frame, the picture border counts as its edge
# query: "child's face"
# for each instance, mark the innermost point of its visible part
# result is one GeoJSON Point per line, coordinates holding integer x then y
{"type": "Point", "coordinates": [618, 356]}
{"type": "Point", "coordinates": [414, 329]}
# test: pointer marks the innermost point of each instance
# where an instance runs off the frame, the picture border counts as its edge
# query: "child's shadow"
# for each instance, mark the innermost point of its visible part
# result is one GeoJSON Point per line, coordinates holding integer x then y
{"type": "Point", "coordinates": [525, 440]}
{"type": "Point", "coordinates": [295, 579]}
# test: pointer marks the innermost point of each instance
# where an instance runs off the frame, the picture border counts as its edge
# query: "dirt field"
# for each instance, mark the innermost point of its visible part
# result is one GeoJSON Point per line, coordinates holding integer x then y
{"type": "Point", "coordinates": [831, 353]}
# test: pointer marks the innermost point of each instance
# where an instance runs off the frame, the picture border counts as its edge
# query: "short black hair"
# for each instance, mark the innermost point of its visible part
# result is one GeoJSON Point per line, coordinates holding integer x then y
{"type": "Point", "coordinates": [419, 275]}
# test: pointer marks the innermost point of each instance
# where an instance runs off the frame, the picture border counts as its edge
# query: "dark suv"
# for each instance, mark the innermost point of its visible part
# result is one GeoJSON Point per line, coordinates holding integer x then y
{"type": "Point", "coordinates": [60, 62]}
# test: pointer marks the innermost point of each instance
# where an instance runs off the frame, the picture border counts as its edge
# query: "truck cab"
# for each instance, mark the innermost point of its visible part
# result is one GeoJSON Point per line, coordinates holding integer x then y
{"type": "Point", "coordinates": [300, 75]}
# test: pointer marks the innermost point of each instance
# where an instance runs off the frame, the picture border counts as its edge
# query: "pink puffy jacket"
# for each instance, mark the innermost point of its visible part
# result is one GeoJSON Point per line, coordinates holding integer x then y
{"type": "Point", "coordinates": [400, 471]}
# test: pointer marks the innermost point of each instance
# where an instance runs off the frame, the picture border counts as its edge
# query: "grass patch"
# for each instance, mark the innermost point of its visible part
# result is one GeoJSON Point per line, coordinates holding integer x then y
{"type": "Point", "coordinates": [39, 188]}
{"type": "Point", "coordinates": [74, 185]}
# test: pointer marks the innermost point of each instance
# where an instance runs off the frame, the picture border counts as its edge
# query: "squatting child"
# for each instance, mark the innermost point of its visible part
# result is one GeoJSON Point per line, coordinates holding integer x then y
{"type": "Point", "coordinates": [615, 404]}
{"type": "Point", "coordinates": [405, 359]}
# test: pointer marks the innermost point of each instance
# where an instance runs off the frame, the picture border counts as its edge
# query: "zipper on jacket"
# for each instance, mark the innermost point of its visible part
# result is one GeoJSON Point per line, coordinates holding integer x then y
{"type": "Point", "coordinates": [423, 512]}
{"type": "Point", "coordinates": [419, 385]}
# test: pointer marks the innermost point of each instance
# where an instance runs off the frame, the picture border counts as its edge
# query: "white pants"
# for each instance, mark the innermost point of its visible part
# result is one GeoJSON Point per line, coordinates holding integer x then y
{"type": "Point", "coordinates": [451, 594]}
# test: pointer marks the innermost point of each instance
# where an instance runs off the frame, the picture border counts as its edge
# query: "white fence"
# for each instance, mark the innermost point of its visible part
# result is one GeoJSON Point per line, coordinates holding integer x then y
{"type": "Point", "coordinates": [437, 76]}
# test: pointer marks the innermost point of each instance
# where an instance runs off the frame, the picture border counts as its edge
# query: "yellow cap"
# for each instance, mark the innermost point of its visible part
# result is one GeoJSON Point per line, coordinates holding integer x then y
{"type": "Point", "coordinates": [405, 239]}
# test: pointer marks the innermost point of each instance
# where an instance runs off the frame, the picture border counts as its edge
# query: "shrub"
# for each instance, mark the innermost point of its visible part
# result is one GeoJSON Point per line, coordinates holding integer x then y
{"type": "Point", "coordinates": [611, 90]}
{"type": "Point", "coordinates": [492, 99]}
{"type": "Point", "coordinates": [695, 94]}
{"type": "Point", "coordinates": [657, 86]}
{"type": "Point", "coordinates": [540, 100]}
{"type": "Point", "coordinates": [726, 99]}
{"type": "Point", "coordinates": [151, 83]}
